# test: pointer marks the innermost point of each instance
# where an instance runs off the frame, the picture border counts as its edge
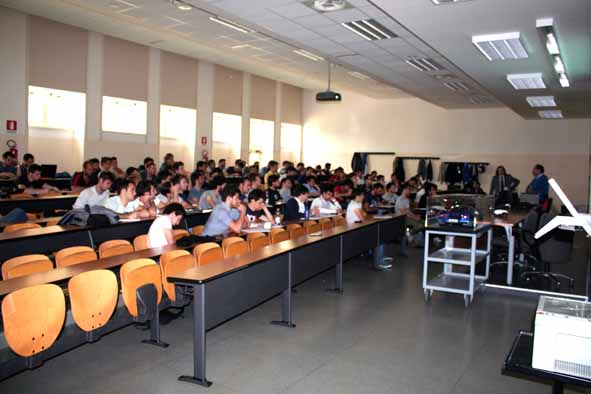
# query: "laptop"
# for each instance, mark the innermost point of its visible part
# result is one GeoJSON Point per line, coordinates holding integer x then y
{"type": "Point", "coordinates": [48, 170]}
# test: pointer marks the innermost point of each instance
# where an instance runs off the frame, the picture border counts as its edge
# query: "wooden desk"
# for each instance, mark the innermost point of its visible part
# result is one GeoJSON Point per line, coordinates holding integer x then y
{"type": "Point", "coordinates": [38, 204]}
{"type": "Point", "coordinates": [240, 283]}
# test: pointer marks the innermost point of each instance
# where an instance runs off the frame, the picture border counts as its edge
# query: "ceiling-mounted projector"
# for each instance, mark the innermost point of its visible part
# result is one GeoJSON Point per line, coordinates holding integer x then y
{"type": "Point", "coordinates": [329, 5]}
{"type": "Point", "coordinates": [328, 95]}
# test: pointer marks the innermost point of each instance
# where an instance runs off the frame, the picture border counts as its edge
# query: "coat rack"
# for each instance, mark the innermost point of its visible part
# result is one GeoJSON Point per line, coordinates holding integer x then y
{"type": "Point", "coordinates": [419, 158]}
{"type": "Point", "coordinates": [478, 163]}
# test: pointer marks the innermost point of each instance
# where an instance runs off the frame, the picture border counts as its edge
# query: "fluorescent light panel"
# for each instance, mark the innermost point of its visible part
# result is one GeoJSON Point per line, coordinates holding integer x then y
{"type": "Point", "coordinates": [230, 24]}
{"type": "Point", "coordinates": [369, 29]}
{"type": "Point", "coordinates": [553, 114]}
{"type": "Point", "coordinates": [541, 101]}
{"type": "Point", "coordinates": [308, 55]}
{"type": "Point", "coordinates": [526, 81]}
{"type": "Point", "coordinates": [546, 25]}
{"type": "Point", "coordinates": [424, 64]}
{"type": "Point", "coordinates": [500, 46]}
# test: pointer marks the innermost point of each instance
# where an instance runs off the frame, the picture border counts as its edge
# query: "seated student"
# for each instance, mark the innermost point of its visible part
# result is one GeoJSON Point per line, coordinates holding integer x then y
{"type": "Point", "coordinates": [391, 196]}
{"type": "Point", "coordinates": [105, 165]}
{"type": "Point", "coordinates": [355, 211]}
{"type": "Point", "coordinates": [178, 168]}
{"type": "Point", "coordinates": [402, 206]}
{"type": "Point", "coordinates": [198, 181]}
{"type": "Point", "coordinates": [96, 165]}
{"type": "Point", "coordinates": [160, 233]}
{"type": "Point", "coordinates": [124, 203]}
{"type": "Point", "coordinates": [16, 215]}
{"type": "Point", "coordinates": [295, 209]}
{"type": "Point", "coordinates": [227, 216]}
{"type": "Point", "coordinates": [325, 204]}
{"type": "Point", "coordinates": [430, 191]}
{"type": "Point", "coordinates": [272, 196]}
{"type": "Point", "coordinates": [212, 196]}
{"type": "Point", "coordinates": [118, 172]}
{"type": "Point", "coordinates": [244, 188]}
{"type": "Point", "coordinates": [162, 199]}
{"type": "Point", "coordinates": [311, 185]}
{"type": "Point", "coordinates": [373, 198]}
{"type": "Point", "coordinates": [344, 190]}
{"type": "Point", "coordinates": [285, 191]}
{"type": "Point", "coordinates": [256, 210]}
{"type": "Point", "coordinates": [167, 164]}
{"type": "Point", "coordinates": [96, 195]}
{"type": "Point", "coordinates": [28, 160]}
{"type": "Point", "coordinates": [30, 182]}
{"type": "Point", "coordinates": [179, 185]}
{"type": "Point", "coordinates": [84, 179]}
{"type": "Point", "coordinates": [8, 166]}
{"type": "Point", "coordinates": [145, 195]}
{"type": "Point", "coordinates": [255, 181]}
{"type": "Point", "coordinates": [272, 169]}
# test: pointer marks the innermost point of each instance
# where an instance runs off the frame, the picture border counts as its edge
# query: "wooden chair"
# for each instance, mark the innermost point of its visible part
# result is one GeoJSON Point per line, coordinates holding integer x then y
{"type": "Point", "coordinates": [26, 265]}
{"type": "Point", "coordinates": [180, 233]}
{"type": "Point", "coordinates": [21, 196]}
{"type": "Point", "coordinates": [259, 242]}
{"type": "Point", "coordinates": [312, 228]}
{"type": "Point", "coordinates": [309, 223]}
{"type": "Point", "coordinates": [20, 226]}
{"type": "Point", "coordinates": [52, 222]}
{"type": "Point", "coordinates": [74, 255]}
{"type": "Point", "coordinates": [326, 223]}
{"type": "Point", "coordinates": [165, 259]}
{"type": "Point", "coordinates": [93, 298]}
{"type": "Point", "coordinates": [33, 318]}
{"type": "Point", "coordinates": [279, 236]}
{"type": "Point", "coordinates": [292, 226]}
{"type": "Point", "coordinates": [197, 230]}
{"type": "Point", "coordinates": [134, 274]}
{"type": "Point", "coordinates": [141, 242]}
{"type": "Point", "coordinates": [208, 252]}
{"type": "Point", "coordinates": [339, 221]}
{"type": "Point", "coordinates": [234, 246]}
{"type": "Point", "coordinates": [176, 264]}
{"type": "Point", "coordinates": [252, 236]}
{"type": "Point", "coordinates": [115, 247]}
{"type": "Point", "coordinates": [297, 232]}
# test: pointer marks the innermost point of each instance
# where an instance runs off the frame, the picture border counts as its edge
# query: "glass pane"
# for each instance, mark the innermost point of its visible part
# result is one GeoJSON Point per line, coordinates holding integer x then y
{"type": "Point", "coordinates": [261, 141]}
{"type": "Point", "coordinates": [226, 136]}
{"type": "Point", "coordinates": [124, 116]}
{"type": "Point", "coordinates": [291, 142]}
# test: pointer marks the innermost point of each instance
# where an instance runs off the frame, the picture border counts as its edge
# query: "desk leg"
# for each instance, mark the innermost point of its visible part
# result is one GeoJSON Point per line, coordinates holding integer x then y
{"type": "Point", "coordinates": [511, 256]}
{"type": "Point", "coordinates": [557, 387]}
{"type": "Point", "coordinates": [339, 271]}
{"type": "Point", "coordinates": [286, 302]}
{"type": "Point", "coordinates": [199, 339]}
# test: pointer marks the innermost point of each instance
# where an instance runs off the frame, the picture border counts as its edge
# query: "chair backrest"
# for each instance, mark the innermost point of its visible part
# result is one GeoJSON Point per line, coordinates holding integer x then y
{"type": "Point", "coordinates": [52, 222]}
{"type": "Point", "coordinates": [530, 225]}
{"type": "Point", "coordinates": [324, 220]}
{"type": "Point", "coordinates": [259, 243]}
{"type": "Point", "coordinates": [297, 232]}
{"type": "Point", "coordinates": [203, 255]}
{"type": "Point", "coordinates": [235, 248]}
{"type": "Point", "coordinates": [227, 244]}
{"type": "Point", "coordinates": [33, 317]}
{"type": "Point", "coordinates": [293, 226]}
{"type": "Point", "coordinates": [326, 224]}
{"type": "Point", "coordinates": [252, 236]}
{"type": "Point", "coordinates": [20, 226]}
{"type": "Point", "coordinates": [21, 196]}
{"type": "Point", "coordinates": [279, 236]}
{"type": "Point", "coordinates": [198, 230]}
{"type": "Point", "coordinates": [556, 246]}
{"type": "Point", "coordinates": [165, 259]}
{"type": "Point", "coordinates": [137, 273]}
{"type": "Point", "coordinates": [179, 233]}
{"type": "Point", "coordinates": [339, 221]}
{"type": "Point", "coordinates": [74, 255]}
{"type": "Point", "coordinates": [26, 265]}
{"type": "Point", "coordinates": [309, 223]}
{"type": "Point", "coordinates": [314, 228]}
{"type": "Point", "coordinates": [93, 298]}
{"type": "Point", "coordinates": [115, 247]}
{"type": "Point", "coordinates": [177, 264]}
{"type": "Point", "coordinates": [141, 242]}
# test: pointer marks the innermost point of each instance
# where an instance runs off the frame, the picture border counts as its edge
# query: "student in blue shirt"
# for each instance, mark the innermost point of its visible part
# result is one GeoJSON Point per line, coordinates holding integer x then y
{"type": "Point", "coordinates": [227, 216]}
{"type": "Point", "coordinates": [8, 165]}
{"type": "Point", "coordinates": [539, 185]}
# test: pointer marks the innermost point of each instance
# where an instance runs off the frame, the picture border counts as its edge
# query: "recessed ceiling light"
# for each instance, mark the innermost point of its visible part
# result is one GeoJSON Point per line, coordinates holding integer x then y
{"type": "Point", "coordinates": [181, 5]}
{"type": "Point", "coordinates": [230, 24]}
{"type": "Point", "coordinates": [500, 46]}
{"type": "Point", "coordinates": [564, 82]}
{"type": "Point", "coordinates": [369, 29]}
{"type": "Point", "coordinates": [546, 26]}
{"type": "Point", "coordinates": [424, 64]}
{"type": "Point", "coordinates": [553, 114]}
{"type": "Point", "coordinates": [308, 55]}
{"type": "Point", "coordinates": [541, 101]}
{"type": "Point", "coordinates": [526, 81]}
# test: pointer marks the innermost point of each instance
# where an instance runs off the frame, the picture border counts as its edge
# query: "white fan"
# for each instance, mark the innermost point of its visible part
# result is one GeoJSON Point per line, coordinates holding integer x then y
{"type": "Point", "coordinates": [577, 219]}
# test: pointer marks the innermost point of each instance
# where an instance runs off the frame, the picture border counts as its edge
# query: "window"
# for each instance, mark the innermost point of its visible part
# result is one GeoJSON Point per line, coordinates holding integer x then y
{"type": "Point", "coordinates": [124, 116]}
{"type": "Point", "coordinates": [291, 142]}
{"type": "Point", "coordinates": [178, 123]}
{"type": "Point", "coordinates": [56, 109]}
{"type": "Point", "coordinates": [261, 141]}
{"type": "Point", "coordinates": [226, 136]}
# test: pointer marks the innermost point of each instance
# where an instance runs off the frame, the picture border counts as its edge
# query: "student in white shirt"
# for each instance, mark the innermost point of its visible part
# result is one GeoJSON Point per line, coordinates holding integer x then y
{"type": "Point", "coordinates": [355, 212]}
{"type": "Point", "coordinates": [162, 199]}
{"type": "Point", "coordinates": [160, 233]}
{"type": "Point", "coordinates": [97, 194]}
{"type": "Point", "coordinates": [145, 195]}
{"type": "Point", "coordinates": [123, 203]}
{"type": "Point", "coordinates": [326, 204]}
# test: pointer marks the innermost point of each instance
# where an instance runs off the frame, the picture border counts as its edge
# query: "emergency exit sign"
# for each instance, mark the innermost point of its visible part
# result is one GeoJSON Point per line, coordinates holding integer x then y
{"type": "Point", "coordinates": [11, 125]}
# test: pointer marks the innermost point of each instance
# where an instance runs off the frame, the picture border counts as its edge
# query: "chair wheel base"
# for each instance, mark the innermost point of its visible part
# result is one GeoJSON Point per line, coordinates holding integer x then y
{"type": "Point", "coordinates": [283, 323]}
{"type": "Point", "coordinates": [194, 380]}
{"type": "Point", "coordinates": [156, 343]}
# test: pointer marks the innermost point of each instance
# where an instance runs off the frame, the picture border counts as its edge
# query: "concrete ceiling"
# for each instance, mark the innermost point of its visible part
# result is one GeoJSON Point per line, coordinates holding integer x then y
{"type": "Point", "coordinates": [442, 33]}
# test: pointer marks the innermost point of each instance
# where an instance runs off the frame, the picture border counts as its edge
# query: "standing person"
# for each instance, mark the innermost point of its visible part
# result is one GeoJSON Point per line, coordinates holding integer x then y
{"type": "Point", "coordinates": [160, 233]}
{"type": "Point", "coordinates": [503, 185]}
{"type": "Point", "coordinates": [295, 209]}
{"type": "Point", "coordinates": [96, 195]}
{"type": "Point", "coordinates": [227, 216]}
{"type": "Point", "coordinates": [211, 197]}
{"type": "Point", "coordinates": [325, 204]}
{"type": "Point", "coordinates": [256, 210]}
{"type": "Point", "coordinates": [30, 182]}
{"type": "Point", "coordinates": [355, 211]}
{"type": "Point", "coordinates": [539, 185]}
{"type": "Point", "coordinates": [198, 181]}
{"type": "Point", "coordinates": [272, 196]}
{"type": "Point", "coordinates": [285, 191]}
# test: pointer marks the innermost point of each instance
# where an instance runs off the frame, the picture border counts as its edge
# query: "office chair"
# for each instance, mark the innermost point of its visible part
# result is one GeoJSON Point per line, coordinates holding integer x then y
{"type": "Point", "coordinates": [524, 242]}
{"type": "Point", "coordinates": [554, 248]}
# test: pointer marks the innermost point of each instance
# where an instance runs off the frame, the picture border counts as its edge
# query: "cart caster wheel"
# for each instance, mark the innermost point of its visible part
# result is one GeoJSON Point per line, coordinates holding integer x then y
{"type": "Point", "coordinates": [467, 300]}
{"type": "Point", "coordinates": [428, 294]}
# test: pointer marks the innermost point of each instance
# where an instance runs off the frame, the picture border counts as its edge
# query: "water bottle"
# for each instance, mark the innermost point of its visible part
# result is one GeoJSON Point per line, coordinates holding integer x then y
{"type": "Point", "coordinates": [277, 217]}
{"type": "Point", "coordinates": [307, 214]}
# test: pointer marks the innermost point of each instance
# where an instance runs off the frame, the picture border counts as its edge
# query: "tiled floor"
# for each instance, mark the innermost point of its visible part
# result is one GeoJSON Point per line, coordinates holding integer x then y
{"type": "Point", "coordinates": [378, 337]}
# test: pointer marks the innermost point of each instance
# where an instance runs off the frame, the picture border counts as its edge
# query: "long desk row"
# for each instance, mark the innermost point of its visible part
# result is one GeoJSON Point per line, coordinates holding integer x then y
{"type": "Point", "coordinates": [38, 204]}
{"type": "Point", "coordinates": [49, 239]}
{"type": "Point", "coordinates": [233, 285]}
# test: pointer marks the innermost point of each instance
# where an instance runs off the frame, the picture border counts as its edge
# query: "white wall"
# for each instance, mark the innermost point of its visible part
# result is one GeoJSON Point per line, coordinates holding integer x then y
{"type": "Point", "coordinates": [333, 131]}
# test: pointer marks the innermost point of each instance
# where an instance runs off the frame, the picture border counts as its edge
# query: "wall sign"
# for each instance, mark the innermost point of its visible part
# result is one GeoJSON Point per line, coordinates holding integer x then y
{"type": "Point", "coordinates": [11, 125]}
{"type": "Point", "coordinates": [203, 140]}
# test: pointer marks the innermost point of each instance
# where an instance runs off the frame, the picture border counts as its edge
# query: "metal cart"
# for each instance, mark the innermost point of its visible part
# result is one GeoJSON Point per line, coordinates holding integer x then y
{"type": "Point", "coordinates": [451, 281]}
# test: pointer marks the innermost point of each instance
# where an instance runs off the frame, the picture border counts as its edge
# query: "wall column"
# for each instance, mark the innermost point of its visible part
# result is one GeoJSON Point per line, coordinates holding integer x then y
{"type": "Point", "coordinates": [246, 106]}
{"type": "Point", "coordinates": [205, 92]}
{"type": "Point", "coordinates": [278, 118]}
